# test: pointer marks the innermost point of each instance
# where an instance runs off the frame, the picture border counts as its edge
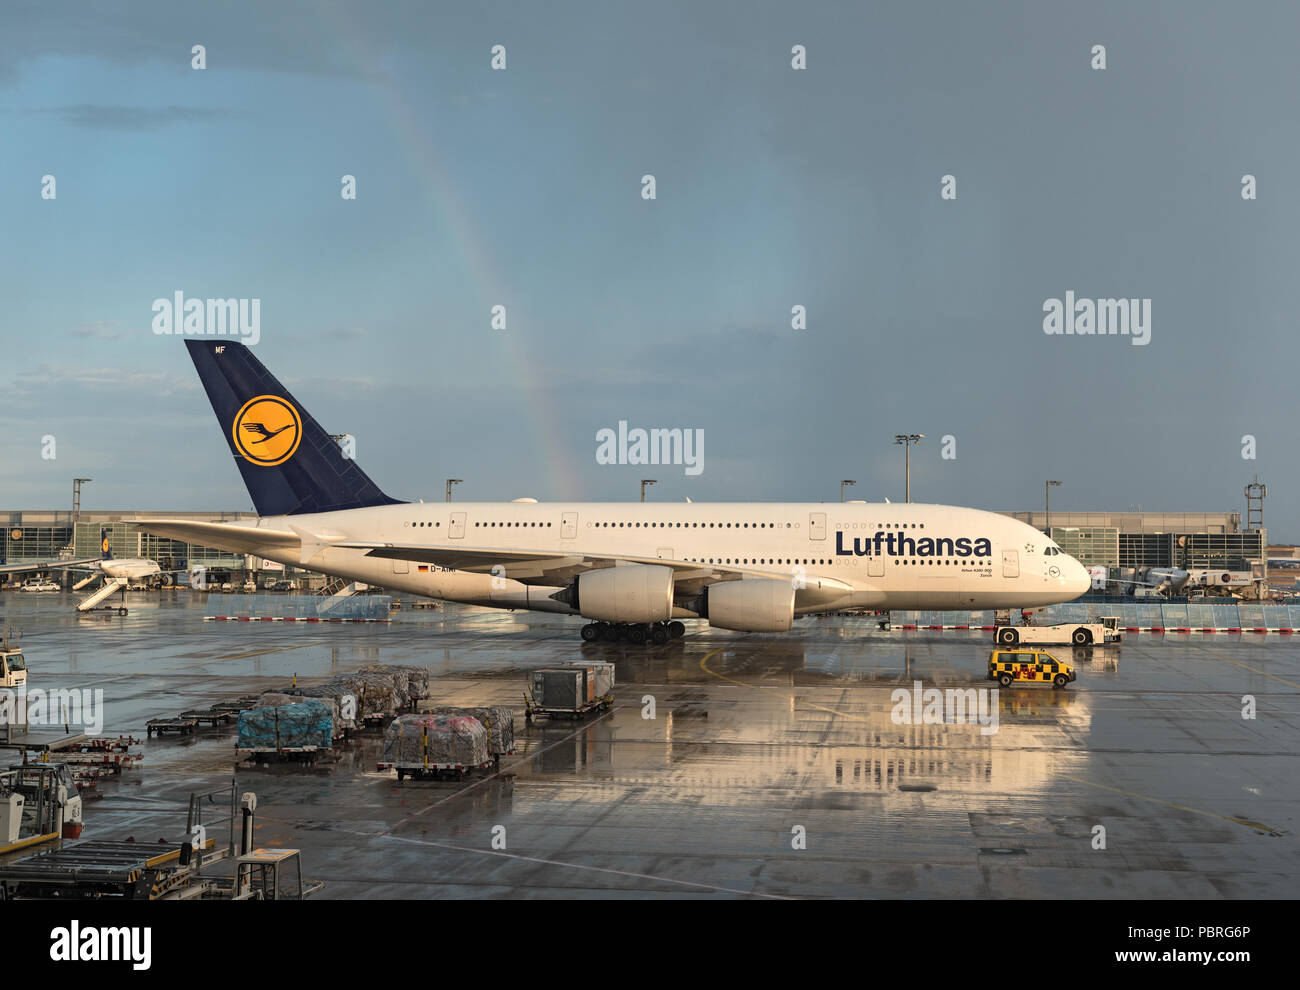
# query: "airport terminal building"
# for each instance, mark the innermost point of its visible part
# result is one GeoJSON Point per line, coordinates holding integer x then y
{"type": "Point", "coordinates": [31, 536]}
{"type": "Point", "coordinates": [1191, 541]}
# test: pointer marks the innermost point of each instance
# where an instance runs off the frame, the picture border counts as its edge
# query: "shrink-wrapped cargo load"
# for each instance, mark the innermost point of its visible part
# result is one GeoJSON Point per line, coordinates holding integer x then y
{"type": "Point", "coordinates": [346, 709]}
{"type": "Point", "coordinates": [272, 699]}
{"type": "Point", "coordinates": [304, 724]}
{"type": "Point", "coordinates": [500, 723]}
{"type": "Point", "coordinates": [375, 694]}
{"type": "Point", "coordinates": [419, 741]}
{"type": "Point", "coordinates": [411, 682]}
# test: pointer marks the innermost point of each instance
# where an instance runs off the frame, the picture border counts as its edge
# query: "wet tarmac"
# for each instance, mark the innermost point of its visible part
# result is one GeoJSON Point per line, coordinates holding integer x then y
{"type": "Point", "coordinates": [775, 766]}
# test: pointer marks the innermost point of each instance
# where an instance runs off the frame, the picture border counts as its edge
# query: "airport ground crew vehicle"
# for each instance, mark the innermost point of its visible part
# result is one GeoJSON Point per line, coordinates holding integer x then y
{"type": "Point", "coordinates": [1008, 667]}
{"type": "Point", "coordinates": [1104, 630]}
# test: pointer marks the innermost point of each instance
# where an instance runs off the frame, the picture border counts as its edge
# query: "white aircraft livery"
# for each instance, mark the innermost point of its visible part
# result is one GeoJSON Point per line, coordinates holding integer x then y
{"type": "Point", "coordinates": [635, 569]}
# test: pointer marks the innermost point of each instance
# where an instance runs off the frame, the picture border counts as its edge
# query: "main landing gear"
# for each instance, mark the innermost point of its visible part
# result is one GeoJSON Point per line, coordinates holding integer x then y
{"type": "Point", "coordinates": [635, 633]}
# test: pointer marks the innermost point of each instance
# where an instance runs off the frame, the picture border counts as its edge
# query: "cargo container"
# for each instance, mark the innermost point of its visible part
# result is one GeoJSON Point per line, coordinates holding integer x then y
{"type": "Point", "coordinates": [565, 692]}
{"type": "Point", "coordinates": [600, 673]}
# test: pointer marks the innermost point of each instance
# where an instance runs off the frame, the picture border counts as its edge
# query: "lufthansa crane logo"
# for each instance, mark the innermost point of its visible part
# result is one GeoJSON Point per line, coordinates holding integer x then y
{"type": "Point", "coordinates": [103, 545]}
{"type": "Point", "coordinates": [266, 430]}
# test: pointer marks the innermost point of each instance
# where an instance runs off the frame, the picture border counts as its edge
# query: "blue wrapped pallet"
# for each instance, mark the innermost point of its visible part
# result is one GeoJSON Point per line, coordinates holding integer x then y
{"type": "Point", "coordinates": [306, 724]}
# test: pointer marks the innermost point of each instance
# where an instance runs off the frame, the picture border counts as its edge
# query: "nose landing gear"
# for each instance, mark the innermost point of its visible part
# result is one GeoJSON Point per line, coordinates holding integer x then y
{"type": "Point", "coordinates": [636, 633]}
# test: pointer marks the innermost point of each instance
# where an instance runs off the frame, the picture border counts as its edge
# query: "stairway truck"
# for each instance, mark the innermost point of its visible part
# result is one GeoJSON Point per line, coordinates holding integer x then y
{"type": "Point", "coordinates": [1104, 630]}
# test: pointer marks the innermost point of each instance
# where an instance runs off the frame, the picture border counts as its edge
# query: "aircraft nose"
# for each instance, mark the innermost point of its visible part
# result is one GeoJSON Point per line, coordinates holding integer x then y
{"type": "Point", "coordinates": [1077, 578]}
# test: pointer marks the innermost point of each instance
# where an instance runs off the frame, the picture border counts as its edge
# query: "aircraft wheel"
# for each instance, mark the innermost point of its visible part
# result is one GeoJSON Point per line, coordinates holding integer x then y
{"type": "Point", "coordinates": [660, 635]}
{"type": "Point", "coordinates": [676, 629]}
{"type": "Point", "coordinates": [636, 635]}
{"type": "Point", "coordinates": [590, 632]}
{"type": "Point", "coordinates": [121, 610]}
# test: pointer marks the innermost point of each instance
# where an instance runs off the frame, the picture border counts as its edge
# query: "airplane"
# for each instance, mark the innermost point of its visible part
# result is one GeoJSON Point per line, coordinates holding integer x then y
{"type": "Point", "coordinates": [129, 568]}
{"type": "Point", "coordinates": [635, 570]}
{"type": "Point", "coordinates": [1161, 580]}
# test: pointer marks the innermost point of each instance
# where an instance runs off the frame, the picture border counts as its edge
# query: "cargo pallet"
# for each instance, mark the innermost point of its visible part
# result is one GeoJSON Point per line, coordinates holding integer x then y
{"type": "Point", "coordinates": [437, 771]}
{"type": "Point", "coordinates": [181, 726]}
{"type": "Point", "coordinates": [99, 763]}
{"type": "Point", "coordinates": [128, 870]}
{"type": "Point", "coordinates": [210, 717]}
{"type": "Point", "coordinates": [304, 755]}
{"type": "Point", "coordinates": [532, 711]}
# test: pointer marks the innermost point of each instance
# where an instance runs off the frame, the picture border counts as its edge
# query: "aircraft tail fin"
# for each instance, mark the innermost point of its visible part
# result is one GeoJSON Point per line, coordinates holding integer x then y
{"type": "Point", "coordinates": [288, 462]}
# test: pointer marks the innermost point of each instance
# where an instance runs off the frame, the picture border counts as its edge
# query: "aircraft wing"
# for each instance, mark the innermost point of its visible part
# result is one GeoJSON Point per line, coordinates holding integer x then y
{"type": "Point", "coordinates": [222, 536]}
{"type": "Point", "coordinates": [549, 568]}
{"type": "Point", "coordinates": [536, 567]}
{"type": "Point", "coordinates": [47, 565]}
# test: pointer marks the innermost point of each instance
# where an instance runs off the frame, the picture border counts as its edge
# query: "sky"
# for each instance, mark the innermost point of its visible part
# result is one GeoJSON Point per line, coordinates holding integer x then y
{"type": "Point", "coordinates": [775, 187]}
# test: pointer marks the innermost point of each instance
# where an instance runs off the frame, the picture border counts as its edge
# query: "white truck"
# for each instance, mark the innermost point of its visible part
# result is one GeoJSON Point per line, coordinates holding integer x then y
{"type": "Point", "coordinates": [1105, 630]}
{"type": "Point", "coordinates": [13, 669]}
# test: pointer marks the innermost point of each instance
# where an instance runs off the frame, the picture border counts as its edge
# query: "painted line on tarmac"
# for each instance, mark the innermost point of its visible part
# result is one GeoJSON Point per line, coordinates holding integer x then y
{"type": "Point", "coordinates": [596, 869]}
{"type": "Point", "coordinates": [1267, 829]}
{"type": "Point", "coordinates": [704, 666]}
{"type": "Point", "coordinates": [1256, 670]}
{"type": "Point", "coordinates": [199, 663]}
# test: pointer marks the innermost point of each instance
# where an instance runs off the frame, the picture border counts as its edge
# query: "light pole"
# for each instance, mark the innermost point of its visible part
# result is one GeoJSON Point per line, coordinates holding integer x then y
{"type": "Point", "coordinates": [906, 440]}
{"type": "Point", "coordinates": [450, 482]}
{"type": "Point", "coordinates": [644, 482]}
{"type": "Point", "coordinates": [846, 481]}
{"type": "Point", "coordinates": [1047, 494]}
{"type": "Point", "coordinates": [76, 508]}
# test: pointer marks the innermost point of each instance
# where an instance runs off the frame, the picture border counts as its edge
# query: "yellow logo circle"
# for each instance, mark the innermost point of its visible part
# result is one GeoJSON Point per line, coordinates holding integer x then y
{"type": "Point", "coordinates": [266, 430]}
{"type": "Point", "coordinates": [103, 546]}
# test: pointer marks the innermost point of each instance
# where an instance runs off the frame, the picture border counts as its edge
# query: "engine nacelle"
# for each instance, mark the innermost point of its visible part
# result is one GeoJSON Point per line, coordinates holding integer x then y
{"type": "Point", "coordinates": [631, 593]}
{"type": "Point", "coordinates": [751, 605]}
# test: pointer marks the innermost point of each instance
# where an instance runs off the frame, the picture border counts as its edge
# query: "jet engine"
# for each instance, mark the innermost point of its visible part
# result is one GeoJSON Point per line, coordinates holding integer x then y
{"type": "Point", "coordinates": [630, 593]}
{"type": "Point", "coordinates": [750, 605]}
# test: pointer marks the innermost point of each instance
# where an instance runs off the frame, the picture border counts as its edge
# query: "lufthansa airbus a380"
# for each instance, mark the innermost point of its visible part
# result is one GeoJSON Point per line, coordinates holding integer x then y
{"type": "Point", "coordinates": [634, 569]}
